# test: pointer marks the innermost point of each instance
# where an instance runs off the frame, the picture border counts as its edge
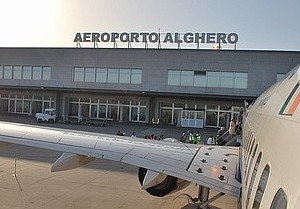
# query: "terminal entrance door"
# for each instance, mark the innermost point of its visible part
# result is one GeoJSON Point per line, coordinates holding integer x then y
{"type": "Point", "coordinates": [124, 113]}
{"type": "Point", "coordinates": [84, 111]}
{"type": "Point", "coordinates": [166, 116]}
{"type": "Point", "coordinates": [170, 115]}
{"type": "Point", "coordinates": [3, 105]}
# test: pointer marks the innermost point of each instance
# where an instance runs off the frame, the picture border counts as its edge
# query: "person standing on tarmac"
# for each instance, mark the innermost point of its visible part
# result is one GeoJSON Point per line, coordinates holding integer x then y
{"type": "Point", "coordinates": [209, 140]}
{"type": "Point", "coordinates": [232, 130]}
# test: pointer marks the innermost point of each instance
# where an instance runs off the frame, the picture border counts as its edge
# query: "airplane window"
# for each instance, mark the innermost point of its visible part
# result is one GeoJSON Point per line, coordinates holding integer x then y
{"type": "Point", "coordinates": [248, 141]}
{"type": "Point", "coordinates": [250, 147]}
{"type": "Point", "coordinates": [279, 201]}
{"type": "Point", "coordinates": [249, 150]}
{"type": "Point", "coordinates": [253, 177]}
{"type": "Point", "coordinates": [261, 187]}
{"type": "Point", "coordinates": [249, 163]}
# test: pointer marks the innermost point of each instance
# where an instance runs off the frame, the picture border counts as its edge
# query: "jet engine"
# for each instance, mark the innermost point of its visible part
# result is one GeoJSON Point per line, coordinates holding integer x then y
{"type": "Point", "coordinates": [158, 184]}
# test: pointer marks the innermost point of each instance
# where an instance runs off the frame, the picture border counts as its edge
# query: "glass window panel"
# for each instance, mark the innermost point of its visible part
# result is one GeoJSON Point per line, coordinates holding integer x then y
{"type": "Point", "coordinates": [112, 76]}
{"type": "Point", "coordinates": [174, 77]}
{"type": "Point", "coordinates": [93, 111]}
{"type": "Point", "coordinates": [102, 111]}
{"type": "Point", "coordinates": [241, 83]}
{"type": "Point", "coordinates": [79, 74]}
{"type": "Point", "coordinates": [227, 82]}
{"type": "Point", "coordinates": [124, 76]}
{"type": "Point", "coordinates": [253, 178]}
{"type": "Point", "coordinates": [185, 114]}
{"type": "Point", "coordinates": [73, 109]}
{"type": "Point", "coordinates": [142, 116]}
{"type": "Point", "coordinates": [37, 97]}
{"type": "Point", "coordinates": [192, 115]}
{"type": "Point", "coordinates": [187, 78]}
{"type": "Point", "coordinates": [1, 71]}
{"type": "Point", "coordinates": [280, 200]}
{"type": "Point", "coordinates": [241, 75]}
{"type": "Point", "coordinates": [134, 103]}
{"type": "Point", "coordinates": [249, 162]}
{"type": "Point", "coordinates": [86, 100]}
{"type": "Point", "coordinates": [7, 72]}
{"type": "Point", "coordinates": [27, 72]}
{"type": "Point", "coordinates": [89, 75]}
{"type": "Point", "coordinates": [225, 108]}
{"type": "Point", "coordinates": [136, 76]}
{"type": "Point", "coordinates": [261, 187]}
{"type": "Point", "coordinates": [199, 115]}
{"type": "Point", "coordinates": [134, 113]}
{"type": "Point", "coordinates": [52, 104]}
{"type": "Point", "coordinates": [19, 106]}
{"type": "Point", "coordinates": [72, 99]}
{"type": "Point", "coordinates": [26, 106]}
{"type": "Point", "coordinates": [46, 104]}
{"type": "Point", "coordinates": [224, 119]}
{"type": "Point", "coordinates": [143, 103]}
{"type": "Point", "coordinates": [190, 106]}
{"type": "Point", "coordinates": [179, 105]}
{"type": "Point", "coordinates": [112, 112]}
{"type": "Point", "coordinates": [101, 75]}
{"type": "Point", "coordinates": [113, 102]}
{"type": "Point", "coordinates": [213, 79]}
{"type": "Point", "coordinates": [37, 73]}
{"type": "Point", "coordinates": [200, 79]}
{"type": "Point", "coordinates": [241, 80]}
{"type": "Point", "coordinates": [12, 106]}
{"type": "Point", "coordinates": [227, 79]}
{"type": "Point", "coordinates": [46, 73]}
{"type": "Point", "coordinates": [166, 104]}
{"type": "Point", "coordinates": [200, 107]}
{"type": "Point", "coordinates": [94, 100]}
{"type": "Point", "coordinates": [211, 118]}
{"type": "Point", "coordinates": [102, 101]}
{"type": "Point", "coordinates": [212, 107]}
{"type": "Point", "coordinates": [17, 72]}
{"type": "Point", "coordinates": [125, 102]}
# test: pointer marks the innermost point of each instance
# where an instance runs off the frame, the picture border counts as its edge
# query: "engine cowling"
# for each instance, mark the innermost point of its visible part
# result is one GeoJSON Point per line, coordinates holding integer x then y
{"type": "Point", "coordinates": [166, 186]}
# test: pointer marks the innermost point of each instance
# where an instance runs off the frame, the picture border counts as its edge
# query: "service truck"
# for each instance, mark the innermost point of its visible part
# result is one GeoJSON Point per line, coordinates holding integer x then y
{"type": "Point", "coordinates": [48, 115]}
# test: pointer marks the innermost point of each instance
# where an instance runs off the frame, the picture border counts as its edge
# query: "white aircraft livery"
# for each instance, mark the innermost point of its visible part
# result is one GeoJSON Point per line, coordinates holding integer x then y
{"type": "Point", "coordinates": [262, 172]}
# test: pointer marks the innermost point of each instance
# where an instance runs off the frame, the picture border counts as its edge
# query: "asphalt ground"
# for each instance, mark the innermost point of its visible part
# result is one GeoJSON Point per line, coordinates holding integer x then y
{"type": "Point", "coordinates": [27, 183]}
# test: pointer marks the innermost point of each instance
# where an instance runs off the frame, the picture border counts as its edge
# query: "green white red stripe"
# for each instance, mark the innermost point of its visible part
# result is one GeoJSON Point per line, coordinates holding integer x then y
{"type": "Point", "coordinates": [292, 102]}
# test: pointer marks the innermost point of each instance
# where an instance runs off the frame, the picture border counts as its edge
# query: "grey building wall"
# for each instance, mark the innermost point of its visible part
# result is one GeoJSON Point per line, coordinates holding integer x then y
{"type": "Point", "coordinates": [262, 67]}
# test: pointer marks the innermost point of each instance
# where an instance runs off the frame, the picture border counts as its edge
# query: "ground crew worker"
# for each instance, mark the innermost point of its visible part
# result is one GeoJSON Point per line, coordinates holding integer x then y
{"type": "Point", "coordinates": [197, 138]}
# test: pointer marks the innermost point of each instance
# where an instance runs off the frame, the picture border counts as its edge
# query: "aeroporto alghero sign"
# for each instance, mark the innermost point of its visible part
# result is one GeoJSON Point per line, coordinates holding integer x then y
{"type": "Point", "coordinates": [153, 37]}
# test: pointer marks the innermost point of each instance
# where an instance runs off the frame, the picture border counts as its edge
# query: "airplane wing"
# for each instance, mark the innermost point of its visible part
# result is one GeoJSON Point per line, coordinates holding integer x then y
{"type": "Point", "coordinates": [210, 166]}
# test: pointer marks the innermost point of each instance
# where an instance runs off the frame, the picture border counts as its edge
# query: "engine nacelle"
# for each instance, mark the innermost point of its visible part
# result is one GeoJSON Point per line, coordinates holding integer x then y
{"type": "Point", "coordinates": [167, 185]}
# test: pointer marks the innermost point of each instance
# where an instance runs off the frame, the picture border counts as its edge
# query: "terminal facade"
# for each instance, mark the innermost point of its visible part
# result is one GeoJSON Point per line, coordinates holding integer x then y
{"type": "Point", "coordinates": [184, 87]}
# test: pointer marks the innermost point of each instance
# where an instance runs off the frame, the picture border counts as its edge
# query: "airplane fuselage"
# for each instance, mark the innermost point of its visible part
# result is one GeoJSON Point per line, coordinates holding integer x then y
{"type": "Point", "coordinates": [271, 147]}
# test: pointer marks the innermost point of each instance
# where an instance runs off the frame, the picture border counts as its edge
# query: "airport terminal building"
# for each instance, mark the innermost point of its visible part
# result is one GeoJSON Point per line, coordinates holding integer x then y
{"type": "Point", "coordinates": [184, 87]}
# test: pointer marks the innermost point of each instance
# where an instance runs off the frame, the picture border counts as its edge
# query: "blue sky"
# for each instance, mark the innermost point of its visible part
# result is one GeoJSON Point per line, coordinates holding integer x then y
{"type": "Point", "coordinates": [260, 24]}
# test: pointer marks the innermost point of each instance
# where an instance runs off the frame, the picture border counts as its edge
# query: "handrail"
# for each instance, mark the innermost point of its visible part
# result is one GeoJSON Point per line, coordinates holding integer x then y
{"type": "Point", "coordinates": [221, 139]}
{"type": "Point", "coordinates": [226, 138]}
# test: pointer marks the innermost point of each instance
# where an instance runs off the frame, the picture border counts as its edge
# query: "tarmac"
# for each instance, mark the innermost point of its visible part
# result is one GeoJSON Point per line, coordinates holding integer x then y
{"type": "Point", "coordinates": [27, 183]}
